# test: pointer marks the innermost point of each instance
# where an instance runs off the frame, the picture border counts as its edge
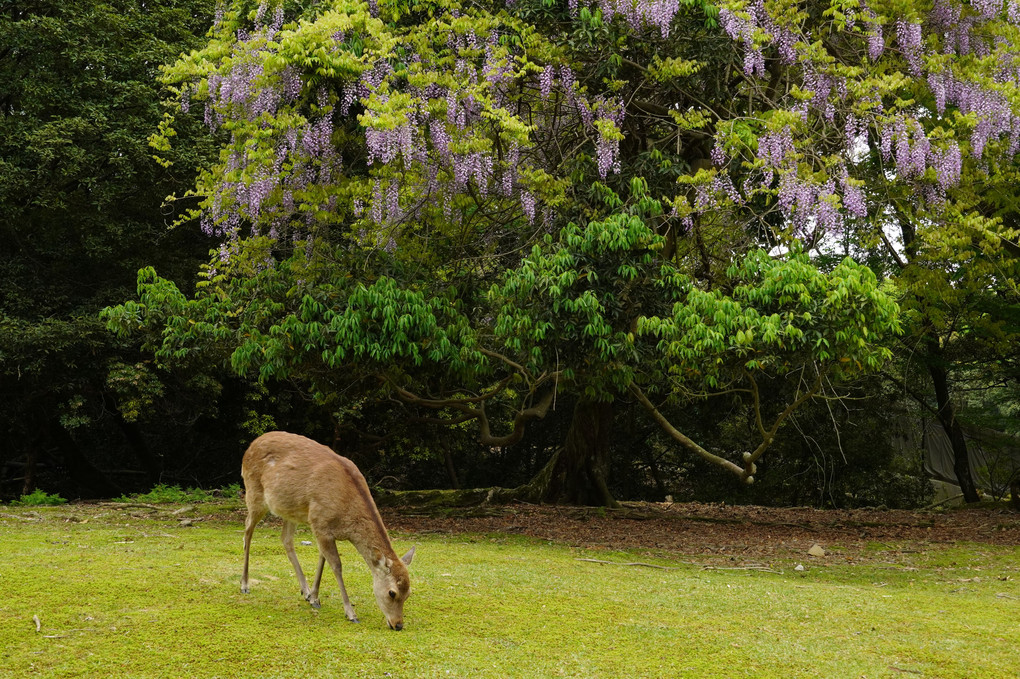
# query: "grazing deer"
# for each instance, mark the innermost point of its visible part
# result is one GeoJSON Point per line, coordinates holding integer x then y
{"type": "Point", "coordinates": [302, 481]}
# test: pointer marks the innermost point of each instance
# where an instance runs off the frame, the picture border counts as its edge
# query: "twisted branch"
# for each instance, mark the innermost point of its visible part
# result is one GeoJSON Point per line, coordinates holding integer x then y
{"type": "Point", "coordinates": [683, 439]}
{"type": "Point", "coordinates": [747, 471]}
{"type": "Point", "coordinates": [473, 408]}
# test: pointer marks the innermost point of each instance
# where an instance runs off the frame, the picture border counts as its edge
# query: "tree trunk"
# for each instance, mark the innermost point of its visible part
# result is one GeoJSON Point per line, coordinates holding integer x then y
{"type": "Point", "coordinates": [577, 472]}
{"type": "Point", "coordinates": [29, 485]}
{"type": "Point", "coordinates": [653, 468]}
{"type": "Point", "coordinates": [951, 425]}
{"type": "Point", "coordinates": [940, 380]}
{"type": "Point", "coordinates": [450, 468]}
{"type": "Point", "coordinates": [133, 433]}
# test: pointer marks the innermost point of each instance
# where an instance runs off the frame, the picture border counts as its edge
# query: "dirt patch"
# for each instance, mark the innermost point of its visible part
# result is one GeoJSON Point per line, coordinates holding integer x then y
{"type": "Point", "coordinates": [714, 532]}
{"type": "Point", "coordinates": [710, 534]}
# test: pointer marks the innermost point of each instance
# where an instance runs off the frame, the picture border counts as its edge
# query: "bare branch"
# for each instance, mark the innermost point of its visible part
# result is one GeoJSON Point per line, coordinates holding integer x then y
{"type": "Point", "coordinates": [746, 473]}
{"type": "Point", "coordinates": [684, 440]}
{"type": "Point", "coordinates": [446, 422]}
{"type": "Point", "coordinates": [918, 396]}
{"type": "Point", "coordinates": [523, 416]}
{"type": "Point", "coordinates": [458, 403]}
{"type": "Point", "coordinates": [632, 563]}
{"type": "Point", "coordinates": [473, 408]}
{"type": "Point", "coordinates": [751, 458]}
{"type": "Point", "coordinates": [513, 364]}
{"type": "Point", "coordinates": [891, 250]}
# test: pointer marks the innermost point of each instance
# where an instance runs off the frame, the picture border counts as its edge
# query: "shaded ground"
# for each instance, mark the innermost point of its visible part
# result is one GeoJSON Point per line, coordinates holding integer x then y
{"type": "Point", "coordinates": [719, 533]}
{"type": "Point", "coordinates": [709, 534]}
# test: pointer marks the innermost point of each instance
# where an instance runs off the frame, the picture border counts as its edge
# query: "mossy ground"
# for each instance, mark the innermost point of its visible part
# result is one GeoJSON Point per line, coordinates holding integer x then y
{"type": "Point", "coordinates": [137, 594]}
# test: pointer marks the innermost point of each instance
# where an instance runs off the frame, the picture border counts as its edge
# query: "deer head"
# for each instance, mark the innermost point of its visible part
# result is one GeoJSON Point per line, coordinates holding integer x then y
{"type": "Point", "coordinates": [392, 585]}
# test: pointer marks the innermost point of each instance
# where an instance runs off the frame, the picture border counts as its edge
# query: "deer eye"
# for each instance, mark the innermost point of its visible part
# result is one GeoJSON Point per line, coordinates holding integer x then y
{"type": "Point", "coordinates": [393, 595]}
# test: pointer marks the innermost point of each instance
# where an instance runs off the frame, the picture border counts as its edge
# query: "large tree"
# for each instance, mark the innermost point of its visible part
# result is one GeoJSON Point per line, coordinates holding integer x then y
{"type": "Point", "coordinates": [447, 205]}
{"type": "Point", "coordinates": [475, 208]}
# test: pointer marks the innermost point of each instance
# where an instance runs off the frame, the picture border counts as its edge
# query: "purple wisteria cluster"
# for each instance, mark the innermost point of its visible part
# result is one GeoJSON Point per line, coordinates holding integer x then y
{"type": "Point", "coordinates": [904, 140]}
{"type": "Point", "coordinates": [425, 146]}
{"type": "Point", "coordinates": [807, 202]}
{"type": "Point", "coordinates": [934, 164]}
{"type": "Point", "coordinates": [908, 37]}
{"type": "Point", "coordinates": [995, 116]}
{"type": "Point", "coordinates": [445, 151]}
{"type": "Point", "coordinates": [875, 37]}
{"type": "Point", "coordinates": [741, 27]}
{"type": "Point", "coordinates": [448, 154]}
{"type": "Point", "coordinates": [823, 86]}
{"type": "Point", "coordinates": [237, 89]}
{"type": "Point", "coordinates": [266, 191]}
{"type": "Point", "coordinates": [607, 145]}
{"type": "Point", "coordinates": [656, 13]}
{"type": "Point", "coordinates": [442, 155]}
{"type": "Point", "coordinates": [598, 115]}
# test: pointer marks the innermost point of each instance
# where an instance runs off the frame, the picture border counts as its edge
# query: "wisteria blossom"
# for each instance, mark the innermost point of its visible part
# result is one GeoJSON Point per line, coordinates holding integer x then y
{"type": "Point", "coordinates": [361, 147]}
{"type": "Point", "coordinates": [929, 162]}
{"type": "Point", "coordinates": [431, 139]}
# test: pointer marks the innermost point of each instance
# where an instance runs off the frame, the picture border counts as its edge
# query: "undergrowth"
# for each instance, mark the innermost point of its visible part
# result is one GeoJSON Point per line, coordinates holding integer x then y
{"type": "Point", "coordinates": [162, 493]}
{"type": "Point", "coordinates": [39, 498]}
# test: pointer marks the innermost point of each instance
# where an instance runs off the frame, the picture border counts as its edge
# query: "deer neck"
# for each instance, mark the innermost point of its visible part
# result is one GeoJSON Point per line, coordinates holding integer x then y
{"type": "Point", "coordinates": [375, 548]}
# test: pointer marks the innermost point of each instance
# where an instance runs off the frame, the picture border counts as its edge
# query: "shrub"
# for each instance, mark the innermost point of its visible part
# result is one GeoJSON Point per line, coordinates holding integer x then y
{"type": "Point", "coordinates": [162, 493]}
{"type": "Point", "coordinates": [38, 498]}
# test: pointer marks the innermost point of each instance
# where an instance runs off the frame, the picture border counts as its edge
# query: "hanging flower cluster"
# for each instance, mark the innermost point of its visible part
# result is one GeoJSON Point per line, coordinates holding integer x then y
{"type": "Point", "coordinates": [656, 13]}
{"type": "Point", "coordinates": [415, 141]}
{"type": "Point", "coordinates": [931, 160]}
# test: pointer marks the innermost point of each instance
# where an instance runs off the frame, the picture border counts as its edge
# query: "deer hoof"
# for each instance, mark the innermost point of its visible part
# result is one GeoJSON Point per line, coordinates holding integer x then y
{"type": "Point", "coordinates": [315, 604]}
{"type": "Point", "coordinates": [244, 589]}
{"type": "Point", "coordinates": [354, 619]}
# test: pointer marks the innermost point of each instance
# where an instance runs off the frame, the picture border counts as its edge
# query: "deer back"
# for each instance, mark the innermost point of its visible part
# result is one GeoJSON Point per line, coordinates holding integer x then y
{"type": "Point", "coordinates": [303, 481]}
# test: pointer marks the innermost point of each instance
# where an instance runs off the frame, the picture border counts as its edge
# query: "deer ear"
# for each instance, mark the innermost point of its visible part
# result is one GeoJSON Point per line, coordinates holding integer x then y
{"type": "Point", "coordinates": [380, 560]}
{"type": "Point", "coordinates": [407, 557]}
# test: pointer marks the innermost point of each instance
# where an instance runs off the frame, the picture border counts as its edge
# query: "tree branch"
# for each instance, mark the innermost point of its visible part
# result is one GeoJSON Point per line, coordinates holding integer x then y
{"type": "Point", "coordinates": [439, 403]}
{"type": "Point", "coordinates": [767, 437]}
{"type": "Point", "coordinates": [685, 441]}
{"type": "Point", "coordinates": [745, 473]}
{"type": "Point", "coordinates": [756, 400]}
{"type": "Point", "coordinates": [521, 420]}
{"type": "Point", "coordinates": [473, 412]}
{"type": "Point", "coordinates": [513, 364]}
{"type": "Point", "coordinates": [918, 396]}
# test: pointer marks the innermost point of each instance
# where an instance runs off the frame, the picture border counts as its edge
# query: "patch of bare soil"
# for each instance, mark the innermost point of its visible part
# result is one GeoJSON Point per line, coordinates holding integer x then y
{"type": "Point", "coordinates": [716, 533]}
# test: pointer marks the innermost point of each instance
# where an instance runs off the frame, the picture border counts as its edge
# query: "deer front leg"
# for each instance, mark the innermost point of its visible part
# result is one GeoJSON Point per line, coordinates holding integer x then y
{"type": "Point", "coordinates": [327, 550]}
{"type": "Point", "coordinates": [287, 536]}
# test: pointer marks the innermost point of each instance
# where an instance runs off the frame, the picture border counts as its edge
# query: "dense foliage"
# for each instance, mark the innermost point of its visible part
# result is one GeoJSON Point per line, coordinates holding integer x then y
{"type": "Point", "coordinates": [447, 205]}
{"type": "Point", "coordinates": [80, 198]}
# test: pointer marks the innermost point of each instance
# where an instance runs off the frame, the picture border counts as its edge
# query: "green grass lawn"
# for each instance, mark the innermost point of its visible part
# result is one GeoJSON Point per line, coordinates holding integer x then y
{"type": "Point", "coordinates": [121, 596]}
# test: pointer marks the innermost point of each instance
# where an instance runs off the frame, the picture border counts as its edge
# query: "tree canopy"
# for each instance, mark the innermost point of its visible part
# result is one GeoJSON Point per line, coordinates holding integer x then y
{"type": "Point", "coordinates": [430, 215]}
{"type": "Point", "coordinates": [480, 209]}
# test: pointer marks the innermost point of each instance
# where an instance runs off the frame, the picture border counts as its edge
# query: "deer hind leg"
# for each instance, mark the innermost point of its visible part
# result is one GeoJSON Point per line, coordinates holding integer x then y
{"type": "Point", "coordinates": [328, 553]}
{"type": "Point", "coordinates": [256, 511]}
{"type": "Point", "coordinates": [287, 536]}
{"type": "Point", "coordinates": [318, 572]}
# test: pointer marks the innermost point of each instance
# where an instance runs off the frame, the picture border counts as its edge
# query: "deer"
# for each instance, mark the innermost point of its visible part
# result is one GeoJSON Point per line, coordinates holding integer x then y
{"type": "Point", "coordinates": [304, 482]}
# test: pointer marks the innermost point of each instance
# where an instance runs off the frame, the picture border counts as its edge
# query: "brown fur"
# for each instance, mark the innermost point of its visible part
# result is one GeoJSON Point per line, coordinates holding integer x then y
{"type": "Point", "coordinates": [304, 482]}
